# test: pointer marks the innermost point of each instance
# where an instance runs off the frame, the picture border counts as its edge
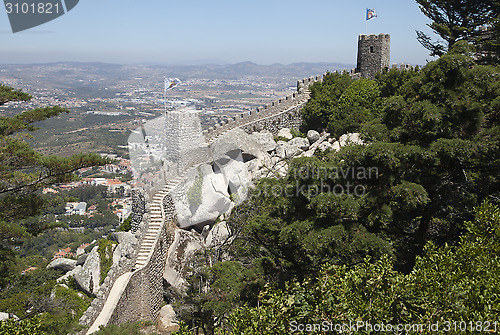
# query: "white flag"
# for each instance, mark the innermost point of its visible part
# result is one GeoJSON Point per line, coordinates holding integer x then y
{"type": "Point", "coordinates": [171, 83]}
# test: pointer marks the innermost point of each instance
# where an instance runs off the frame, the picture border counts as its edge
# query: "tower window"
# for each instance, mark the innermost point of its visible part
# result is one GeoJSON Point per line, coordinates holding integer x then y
{"type": "Point", "coordinates": [371, 50]}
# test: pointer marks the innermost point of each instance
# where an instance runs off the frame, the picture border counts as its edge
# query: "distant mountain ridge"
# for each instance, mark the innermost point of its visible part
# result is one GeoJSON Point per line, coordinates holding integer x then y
{"type": "Point", "coordinates": [216, 71]}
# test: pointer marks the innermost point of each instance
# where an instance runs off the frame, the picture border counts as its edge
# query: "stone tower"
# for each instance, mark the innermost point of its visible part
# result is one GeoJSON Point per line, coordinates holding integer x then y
{"type": "Point", "coordinates": [184, 141]}
{"type": "Point", "coordinates": [373, 54]}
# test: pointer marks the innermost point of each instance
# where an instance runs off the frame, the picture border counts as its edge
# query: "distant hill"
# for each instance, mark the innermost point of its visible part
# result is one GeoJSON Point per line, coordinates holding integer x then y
{"type": "Point", "coordinates": [51, 73]}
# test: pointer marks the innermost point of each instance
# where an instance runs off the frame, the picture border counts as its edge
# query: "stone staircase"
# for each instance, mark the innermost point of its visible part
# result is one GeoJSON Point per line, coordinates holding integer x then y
{"type": "Point", "coordinates": [156, 222]}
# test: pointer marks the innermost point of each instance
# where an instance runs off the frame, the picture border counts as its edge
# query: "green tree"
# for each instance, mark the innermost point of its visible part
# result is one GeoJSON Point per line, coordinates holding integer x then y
{"type": "Point", "coordinates": [448, 283]}
{"type": "Point", "coordinates": [457, 20]}
{"type": "Point", "coordinates": [23, 172]}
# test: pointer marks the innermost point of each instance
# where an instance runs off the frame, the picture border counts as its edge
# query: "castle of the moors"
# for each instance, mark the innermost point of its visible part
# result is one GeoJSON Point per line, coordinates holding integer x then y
{"type": "Point", "coordinates": [133, 289]}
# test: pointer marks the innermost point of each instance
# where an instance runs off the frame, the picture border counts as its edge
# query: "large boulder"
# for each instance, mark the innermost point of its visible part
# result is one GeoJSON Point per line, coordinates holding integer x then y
{"type": "Point", "coordinates": [350, 138]}
{"type": "Point", "coordinates": [234, 141]}
{"type": "Point", "coordinates": [218, 235]}
{"type": "Point", "coordinates": [179, 256]}
{"type": "Point", "coordinates": [286, 133]}
{"type": "Point", "coordinates": [238, 179]}
{"type": "Point", "coordinates": [265, 138]}
{"type": "Point", "coordinates": [299, 142]}
{"type": "Point", "coordinates": [126, 247]}
{"type": "Point", "coordinates": [312, 136]}
{"type": "Point", "coordinates": [204, 198]}
{"type": "Point", "coordinates": [88, 276]}
{"type": "Point", "coordinates": [167, 321]}
{"type": "Point", "coordinates": [292, 151]}
{"type": "Point", "coordinates": [325, 146]}
{"type": "Point", "coordinates": [208, 191]}
{"type": "Point", "coordinates": [62, 264]}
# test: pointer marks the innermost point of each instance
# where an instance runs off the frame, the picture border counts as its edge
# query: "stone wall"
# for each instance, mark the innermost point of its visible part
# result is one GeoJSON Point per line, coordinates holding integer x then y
{"type": "Point", "coordinates": [142, 297]}
{"type": "Point", "coordinates": [284, 112]}
{"type": "Point", "coordinates": [138, 209]}
{"type": "Point", "coordinates": [139, 222]}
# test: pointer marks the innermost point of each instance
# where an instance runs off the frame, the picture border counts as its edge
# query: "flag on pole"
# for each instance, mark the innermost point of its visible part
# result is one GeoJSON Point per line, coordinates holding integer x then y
{"type": "Point", "coordinates": [370, 14]}
{"type": "Point", "coordinates": [171, 83]}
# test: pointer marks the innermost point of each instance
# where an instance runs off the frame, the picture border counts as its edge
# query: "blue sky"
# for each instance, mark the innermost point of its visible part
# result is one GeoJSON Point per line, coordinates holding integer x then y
{"type": "Point", "coordinates": [264, 32]}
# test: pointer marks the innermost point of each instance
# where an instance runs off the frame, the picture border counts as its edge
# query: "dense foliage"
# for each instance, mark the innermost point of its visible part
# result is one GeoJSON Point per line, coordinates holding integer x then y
{"type": "Point", "coordinates": [44, 306]}
{"type": "Point", "coordinates": [454, 287]}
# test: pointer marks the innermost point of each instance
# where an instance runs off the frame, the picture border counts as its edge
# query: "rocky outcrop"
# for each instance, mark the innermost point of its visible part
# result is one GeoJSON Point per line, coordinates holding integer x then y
{"type": "Point", "coordinates": [88, 275]}
{"type": "Point", "coordinates": [350, 139]}
{"type": "Point", "coordinates": [127, 245]}
{"type": "Point", "coordinates": [313, 136]}
{"type": "Point", "coordinates": [180, 253]}
{"type": "Point", "coordinates": [286, 133]}
{"type": "Point", "coordinates": [167, 321]}
{"type": "Point", "coordinates": [218, 235]}
{"type": "Point", "coordinates": [62, 264]}
{"type": "Point", "coordinates": [265, 138]}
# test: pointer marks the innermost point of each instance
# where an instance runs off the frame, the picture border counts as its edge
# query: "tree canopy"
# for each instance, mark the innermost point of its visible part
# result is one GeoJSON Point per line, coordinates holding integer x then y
{"type": "Point", "coordinates": [472, 21]}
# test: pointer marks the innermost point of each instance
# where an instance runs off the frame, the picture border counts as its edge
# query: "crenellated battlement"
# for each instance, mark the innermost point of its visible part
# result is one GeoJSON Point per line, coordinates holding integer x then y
{"type": "Point", "coordinates": [402, 66]}
{"type": "Point", "coordinates": [373, 37]}
{"type": "Point", "coordinates": [273, 110]}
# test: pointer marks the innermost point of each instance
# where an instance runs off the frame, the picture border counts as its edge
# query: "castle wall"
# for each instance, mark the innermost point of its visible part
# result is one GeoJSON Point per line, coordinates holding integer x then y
{"type": "Point", "coordinates": [283, 113]}
{"type": "Point", "coordinates": [142, 297]}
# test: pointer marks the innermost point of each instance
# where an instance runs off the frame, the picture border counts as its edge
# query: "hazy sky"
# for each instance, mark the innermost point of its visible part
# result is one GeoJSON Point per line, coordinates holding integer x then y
{"type": "Point", "coordinates": [264, 32]}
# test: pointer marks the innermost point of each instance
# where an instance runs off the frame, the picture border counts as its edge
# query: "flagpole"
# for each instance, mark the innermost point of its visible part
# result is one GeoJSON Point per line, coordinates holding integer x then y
{"type": "Point", "coordinates": [165, 95]}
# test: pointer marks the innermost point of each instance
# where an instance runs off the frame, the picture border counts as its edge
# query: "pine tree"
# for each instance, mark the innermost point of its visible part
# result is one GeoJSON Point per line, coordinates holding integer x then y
{"type": "Point", "coordinates": [24, 171]}
{"type": "Point", "coordinates": [458, 20]}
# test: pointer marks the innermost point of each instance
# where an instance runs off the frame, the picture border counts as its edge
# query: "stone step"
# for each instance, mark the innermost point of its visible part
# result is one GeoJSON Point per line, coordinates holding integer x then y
{"type": "Point", "coordinates": [154, 230]}
{"type": "Point", "coordinates": [155, 225]}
